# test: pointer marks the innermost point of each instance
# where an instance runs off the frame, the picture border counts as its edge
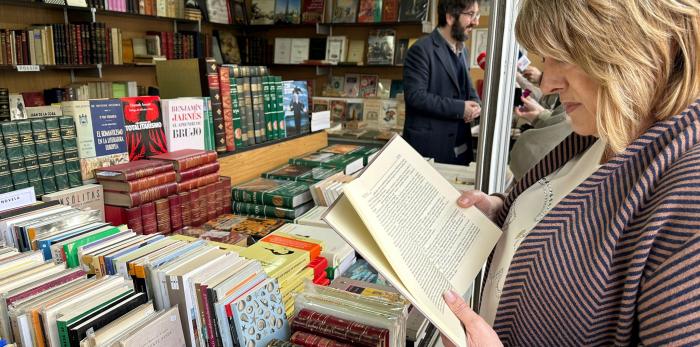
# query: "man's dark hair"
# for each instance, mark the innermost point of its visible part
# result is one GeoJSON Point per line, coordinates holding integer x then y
{"type": "Point", "coordinates": [452, 7]}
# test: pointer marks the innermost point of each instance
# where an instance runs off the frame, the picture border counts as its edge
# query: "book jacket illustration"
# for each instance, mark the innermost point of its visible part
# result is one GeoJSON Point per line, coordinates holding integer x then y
{"type": "Point", "coordinates": [144, 127]}
{"type": "Point", "coordinates": [296, 107]}
{"type": "Point", "coordinates": [381, 47]}
{"type": "Point", "coordinates": [260, 315]}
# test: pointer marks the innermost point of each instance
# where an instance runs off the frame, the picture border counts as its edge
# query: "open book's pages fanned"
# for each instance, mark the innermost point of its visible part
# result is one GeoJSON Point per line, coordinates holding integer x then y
{"type": "Point", "coordinates": [401, 215]}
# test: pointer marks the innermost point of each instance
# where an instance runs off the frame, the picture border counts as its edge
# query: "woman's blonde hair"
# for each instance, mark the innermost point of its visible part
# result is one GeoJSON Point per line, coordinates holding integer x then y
{"type": "Point", "coordinates": [644, 53]}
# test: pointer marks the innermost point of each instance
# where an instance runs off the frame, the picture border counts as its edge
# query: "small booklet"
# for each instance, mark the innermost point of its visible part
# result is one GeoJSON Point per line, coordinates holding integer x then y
{"type": "Point", "coordinates": [402, 216]}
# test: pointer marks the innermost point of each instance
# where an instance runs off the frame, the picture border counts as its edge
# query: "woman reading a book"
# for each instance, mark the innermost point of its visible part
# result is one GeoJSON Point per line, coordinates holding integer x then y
{"type": "Point", "coordinates": [601, 239]}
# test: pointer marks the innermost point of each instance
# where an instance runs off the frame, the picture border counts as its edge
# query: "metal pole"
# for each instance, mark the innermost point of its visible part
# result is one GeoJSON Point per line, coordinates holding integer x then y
{"type": "Point", "coordinates": [495, 122]}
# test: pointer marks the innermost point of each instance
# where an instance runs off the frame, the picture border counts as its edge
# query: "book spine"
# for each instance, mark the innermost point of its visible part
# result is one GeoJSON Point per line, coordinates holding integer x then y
{"type": "Point", "coordinates": [151, 194]}
{"type": "Point", "coordinates": [199, 171]}
{"type": "Point", "coordinates": [253, 134]}
{"type": "Point", "coordinates": [258, 109]}
{"type": "Point", "coordinates": [70, 150]}
{"type": "Point", "coordinates": [197, 182]}
{"type": "Point", "coordinates": [281, 128]}
{"type": "Point", "coordinates": [225, 86]}
{"type": "Point", "coordinates": [148, 218]}
{"type": "Point", "coordinates": [208, 128]}
{"type": "Point", "coordinates": [196, 160]}
{"type": "Point", "coordinates": [211, 200]}
{"type": "Point", "coordinates": [337, 328]}
{"type": "Point", "coordinates": [134, 219]}
{"type": "Point", "coordinates": [151, 181]}
{"type": "Point", "coordinates": [236, 113]}
{"type": "Point", "coordinates": [175, 213]}
{"type": "Point", "coordinates": [202, 206]}
{"type": "Point", "coordinates": [185, 209]}
{"type": "Point", "coordinates": [311, 340]}
{"type": "Point", "coordinates": [216, 106]}
{"type": "Point", "coordinates": [163, 216]}
{"type": "Point", "coordinates": [138, 173]}
{"type": "Point", "coordinates": [195, 214]}
{"type": "Point", "coordinates": [245, 208]}
{"type": "Point", "coordinates": [225, 181]}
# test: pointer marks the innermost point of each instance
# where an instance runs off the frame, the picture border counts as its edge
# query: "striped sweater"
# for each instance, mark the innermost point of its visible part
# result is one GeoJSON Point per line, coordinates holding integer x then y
{"type": "Point", "coordinates": [617, 261]}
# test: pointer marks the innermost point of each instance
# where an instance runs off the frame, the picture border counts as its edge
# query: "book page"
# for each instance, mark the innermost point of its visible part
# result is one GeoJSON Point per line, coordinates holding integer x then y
{"type": "Point", "coordinates": [432, 244]}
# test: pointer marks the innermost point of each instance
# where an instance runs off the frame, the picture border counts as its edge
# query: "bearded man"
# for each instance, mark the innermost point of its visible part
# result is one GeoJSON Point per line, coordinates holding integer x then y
{"type": "Point", "coordinates": [440, 98]}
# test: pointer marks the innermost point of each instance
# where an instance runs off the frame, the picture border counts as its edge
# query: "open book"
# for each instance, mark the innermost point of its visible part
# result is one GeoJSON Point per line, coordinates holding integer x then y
{"type": "Point", "coordinates": [402, 216]}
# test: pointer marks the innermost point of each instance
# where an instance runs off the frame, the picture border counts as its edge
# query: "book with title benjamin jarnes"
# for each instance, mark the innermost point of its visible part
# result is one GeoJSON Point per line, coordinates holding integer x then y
{"type": "Point", "coordinates": [144, 127]}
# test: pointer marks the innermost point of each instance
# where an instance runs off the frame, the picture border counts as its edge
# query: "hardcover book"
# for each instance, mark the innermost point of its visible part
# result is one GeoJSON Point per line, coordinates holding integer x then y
{"type": "Point", "coordinates": [381, 47]}
{"type": "Point", "coordinates": [88, 165]}
{"type": "Point", "coordinates": [368, 86]}
{"type": "Point", "coordinates": [89, 196]}
{"type": "Point", "coordinates": [262, 12]}
{"type": "Point", "coordinates": [218, 11]}
{"type": "Point", "coordinates": [345, 11]}
{"type": "Point", "coordinates": [144, 127]}
{"type": "Point", "coordinates": [294, 11]}
{"type": "Point", "coordinates": [300, 173]}
{"type": "Point", "coordinates": [107, 127]}
{"type": "Point", "coordinates": [390, 11]}
{"type": "Point", "coordinates": [348, 163]}
{"type": "Point", "coordinates": [336, 48]}
{"type": "Point", "coordinates": [356, 52]}
{"type": "Point", "coordinates": [401, 50]}
{"type": "Point", "coordinates": [17, 109]}
{"type": "Point", "coordinates": [133, 170]}
{"type": "Point", "coordinates": [414, 10]}
{"type": "Point", "coordinates": [296, 108]}
{"type": "Point", "coordinates": [272, 192]}
{"type": "Point", "coordinates": [370, 11]}
{"type": "Point", "coordinates": [184, 123]}
{"type": "Point", "coordinates": [185, 159]}
{"type": "Point", "coordinates": [312, 11]}
{"type": "Point", "coordinates": [252, 226]}
{"type": "Point", "coordinates": [268, 211]}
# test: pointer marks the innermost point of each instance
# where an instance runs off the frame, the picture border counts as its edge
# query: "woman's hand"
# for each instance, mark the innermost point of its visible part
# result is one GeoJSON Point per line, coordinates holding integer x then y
{"type": "Point", "coordinates": [479, 333]}
{"type": "Point", "coordinates": [489, 205]}
{"type": "Point", "coordinates": [530, 109]}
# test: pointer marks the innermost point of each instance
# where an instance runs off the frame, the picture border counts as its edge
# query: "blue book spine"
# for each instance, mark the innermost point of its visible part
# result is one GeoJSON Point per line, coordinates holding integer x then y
{"type": "Point", "coordinates": [263, 303]}
{"type": "Point", "coordinates": [108, 127]}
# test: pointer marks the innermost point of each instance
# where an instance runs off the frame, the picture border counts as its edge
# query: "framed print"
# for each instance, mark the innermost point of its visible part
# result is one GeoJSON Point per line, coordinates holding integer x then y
{"type": "Point", "coordinates": [479, 43]}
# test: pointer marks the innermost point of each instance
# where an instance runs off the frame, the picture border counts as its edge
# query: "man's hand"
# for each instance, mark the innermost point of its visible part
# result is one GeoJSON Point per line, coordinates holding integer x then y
{"type": "Point", "coordinates": [472, 110]}
{"type": "Point", "coordinates": [533, 74]}
{"type": "Point", "coordinates": [530, 109]}
{"type": "Point", "coordinates": [479, 333]}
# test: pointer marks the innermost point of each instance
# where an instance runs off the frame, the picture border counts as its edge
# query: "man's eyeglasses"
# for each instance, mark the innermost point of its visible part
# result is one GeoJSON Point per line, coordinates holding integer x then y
{"type": "Point", "coordinates": [472, 15]}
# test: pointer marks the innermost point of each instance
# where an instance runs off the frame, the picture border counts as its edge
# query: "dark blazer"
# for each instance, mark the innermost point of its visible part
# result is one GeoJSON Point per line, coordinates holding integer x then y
{"type": "Point", "coordinates": [434, 123]}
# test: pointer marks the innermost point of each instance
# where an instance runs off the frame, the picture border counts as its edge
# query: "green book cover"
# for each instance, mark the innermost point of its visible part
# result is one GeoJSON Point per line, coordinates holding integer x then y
{"type": "Point", "coordinates": [68, 133]}
{"type": "Point", "coordinates": [5, 175]}
{"type": "Point", "coordinates": [347, 162]}
{"type": "Point", "coordinates": [38, 187]}
{"type": "Point", "coordinates": [245, 208]}
{"type": "Point", "coordinates": [10, 135]}
{"type": "Point", "coordinates": [306, 174]}
{"type": "Point", "coordinates": [41, 139]}
{"type": "Point", "coordinates": [241, 110]}
{"type": "Point", "coordinates": [208, 129]}
{"type": "Point", "coordinates": [24, 128]}
{"type": "Point", "coordinates": [31, 164]}
{"type": "Point", "coordinates": [19, 173]}
{"type": "Point", "coordinates": [266, 107]}
{"type": "Point", "coordinates": [281, 133]}
{"type": "Point", "coordinates": [71, 249]}
{"type": "Point", "coordinates": [47, 174]}
{"type": "Point", "coordinates": [279, 193]}
{"type": "Point", "coordinates": [64, 323]}
{"type": "Point", "coordinates": [119, 90]}
{"type": "Point", "coordinates": [53, 132]}
{"type": "Point", "coordinates": [73, 168]}
{"type": "Point", "coordinates": [236, 108]}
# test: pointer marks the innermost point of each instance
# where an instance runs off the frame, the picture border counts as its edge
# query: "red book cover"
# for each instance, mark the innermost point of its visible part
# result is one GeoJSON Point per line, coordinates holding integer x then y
{"type": "Point", "coordinates": [139, 184]}
{"type": "Point", "coordinates": [320, 264]}
{"type": "Point", "coordinates": [163, 216]}
{"type": "Point", "coordinates": [32, 99]}
{"type": "Point", "coordinates": [312, 11]}
{"type": "Point", "coordinates": [336, 328]}
{"type": "Point", "coordinates": [175, 213]}
{"type": "Point", "coordinates": [133, 219]}
{"type": "Point", "coordinates": [139, 198]}
{"type": "Point", "coordinates": [194, 207]}
{"type": "Point", "coordinates": [211, 201]}
{"type": "Point", "coordinates": [216, 106]}
{"type": "Point", "coordinates": [228, 194]}
{"type": "Point", "coordinates": [198, 171]}
{"type": "Point", "coordinates": [185, 209]}
{"type": "Point", "coordinates": [39, 289]}
{"type": "Point", "coordinates": [390, 10]}
{"type": "Point", "coordinates": [186, 159]}
{"type": "Point", "coordinates": [322, 281]}
{"type": "Point", "coordinates": [206, 311]}
{"type": "Point", "coordinates": [115, 215]}
{"type": "Point", "coordinates": [218, 207]}
{"type": "Point", "coordinates": [311, 340]}
{"type": "Point", "coordinates": [225, 86]}
{"type": "Point", "coordinates": [202, 206]}
{"type": "Point", "coordinates": [132, 170]}
{"type": "Point", "coordinates": [143, 121]}
{"type": "Point", "coordinates": [148, 217]}
{"type": "Point", "coordinates": [79, 43]}
{"type": "Point", "coordinates": [197, 182]}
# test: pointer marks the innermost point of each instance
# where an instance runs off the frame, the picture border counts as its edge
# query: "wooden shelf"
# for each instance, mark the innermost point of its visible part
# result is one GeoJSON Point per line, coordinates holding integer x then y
{"type": "Point", "coordinates": [42, 5]}
{"type": "Point", "coordinates": [76, 67]}
{"type": "Point", "coordinates": [249, 163]}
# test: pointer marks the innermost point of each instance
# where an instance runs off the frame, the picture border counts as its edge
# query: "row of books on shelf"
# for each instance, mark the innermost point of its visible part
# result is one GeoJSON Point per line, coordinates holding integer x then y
{"type": "Point", "coordinates": [268, 12]}
{"type": "Point", "coordinates": [96, 43]}
{"type": "Point", "coordinates": [382, 48]}
{"type": "Point", "coordinates": [355, 85]}
{"type": "Point", "coordinates": [160, 8]}
{"type": "Point", "coordinates": [378, 114]}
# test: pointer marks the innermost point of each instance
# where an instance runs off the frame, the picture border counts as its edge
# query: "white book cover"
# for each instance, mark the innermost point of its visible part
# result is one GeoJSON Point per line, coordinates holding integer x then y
{"type": "Point", "coordinates": [336, 49]}
{"type": "Point", "coordinates": [17, 109]}
{"type": "Point", "coordinates": [184, 123]}
{"type": "Point", "coordinates": [299, 51]}
{"type": "Point", "coordinates": [89, 196]}
{"type": "Point", "coordinates": [283, 50]}
{"type": "Point", "coordinates": [335, 248]}
{"type": "Point", "coordinates": [80, 111]}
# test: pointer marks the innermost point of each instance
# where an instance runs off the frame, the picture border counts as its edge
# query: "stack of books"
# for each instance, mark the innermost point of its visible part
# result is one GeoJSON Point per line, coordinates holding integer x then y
{"type": "Point", "coordinates": [41, 153]}
{"type": "Point", "coordinates": [299, 173]}
{"type": "Point", "coordinates": [327, 191]}
{"type": "Point", "coordinates": [202, 194]}
{"type": "Point", "coordinates": [340, 256]}
{"type": "Point", "coordinates": [264, 197]}
{"type": "Point", "coordinates": [137, 193]}
{"type": "Point", "coordinates": [340, 317]}
{"type": "Point", "coordinates": [287, 264]}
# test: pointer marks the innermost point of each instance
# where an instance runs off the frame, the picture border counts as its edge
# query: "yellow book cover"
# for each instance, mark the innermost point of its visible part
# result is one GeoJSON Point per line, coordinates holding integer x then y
{"type": "Point", "coordinates": [278, 261]}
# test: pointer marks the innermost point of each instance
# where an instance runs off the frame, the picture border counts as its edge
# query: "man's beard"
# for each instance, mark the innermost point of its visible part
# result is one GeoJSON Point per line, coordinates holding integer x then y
{"type": "Point", "coordinates": [458, 32]}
